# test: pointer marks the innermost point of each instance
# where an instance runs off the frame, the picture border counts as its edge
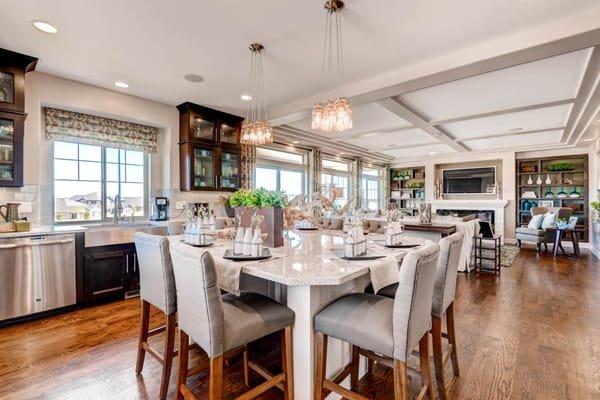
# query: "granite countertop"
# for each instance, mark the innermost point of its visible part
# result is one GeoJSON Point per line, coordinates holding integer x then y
{"type": "Point", "coordinates": [309, 258]}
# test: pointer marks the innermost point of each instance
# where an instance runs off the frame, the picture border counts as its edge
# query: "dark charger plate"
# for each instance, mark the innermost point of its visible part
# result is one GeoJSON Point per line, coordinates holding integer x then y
{"type": "Point", "coordinates": [401, 245]}
{"type": "Point", "coordinates": [368, 256]}
{"type": "Point", "coordinates": [313, 228]}
{"type": "Point", "coordinates": [239, 257]}
{"type": "Point", "coordinates": [197, 245]}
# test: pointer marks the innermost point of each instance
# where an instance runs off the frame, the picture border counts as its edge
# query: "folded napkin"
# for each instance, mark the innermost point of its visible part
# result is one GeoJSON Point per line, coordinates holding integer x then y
{"type": "Point", "coordinates": [384, 272]}
{"type": "Point", "coordinates": [228, 275]}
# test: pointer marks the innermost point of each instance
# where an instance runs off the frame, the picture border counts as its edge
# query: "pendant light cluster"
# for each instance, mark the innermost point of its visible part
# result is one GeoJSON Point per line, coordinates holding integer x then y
{"type": "Point", "coordinates": [335, 114]}
{"type": "Point", "coordinates": [256, 129]}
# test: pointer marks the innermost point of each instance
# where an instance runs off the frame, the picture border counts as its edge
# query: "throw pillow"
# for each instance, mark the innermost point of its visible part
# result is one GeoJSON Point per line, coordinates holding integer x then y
{"type": "Point", "coordinates": [536, 221]}
{"type": "Point", "coordinates": [549, 220]}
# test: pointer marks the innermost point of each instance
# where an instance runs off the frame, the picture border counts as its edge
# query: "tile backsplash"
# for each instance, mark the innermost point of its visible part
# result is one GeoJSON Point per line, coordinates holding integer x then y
{"type": "Point", "coordinates": [28, 196]}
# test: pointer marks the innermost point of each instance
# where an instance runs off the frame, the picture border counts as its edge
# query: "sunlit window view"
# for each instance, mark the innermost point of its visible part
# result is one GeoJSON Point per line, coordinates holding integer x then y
{"type": "Point", "coordinates": [331, 182]}
{"type": "Point", "coordinates": [88, 179]}
{"type": "Point", "coordinates": [370, 188]}
{"type": "Point", "coordinates": [280, 170]}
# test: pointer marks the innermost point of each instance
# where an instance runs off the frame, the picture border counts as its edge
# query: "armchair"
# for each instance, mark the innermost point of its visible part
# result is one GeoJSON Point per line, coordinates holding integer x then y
{"type": "Point", "coordinates": [541, 236]}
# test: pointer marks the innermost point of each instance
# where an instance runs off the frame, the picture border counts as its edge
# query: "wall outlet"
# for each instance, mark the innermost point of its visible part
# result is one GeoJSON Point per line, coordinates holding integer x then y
{"type": "Point", "coordinates": [180, 205]}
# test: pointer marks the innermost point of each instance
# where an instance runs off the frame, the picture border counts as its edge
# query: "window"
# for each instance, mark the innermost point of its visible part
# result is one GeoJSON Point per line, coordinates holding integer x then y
{"type": "Point", "coordinates": [370, 188]}
{"type": "Point", "coordinates": [280, 170]}
{"type": "Point", "coordinates": [335, 178]}
{"type": "Point", "coordinates": [87, 179]}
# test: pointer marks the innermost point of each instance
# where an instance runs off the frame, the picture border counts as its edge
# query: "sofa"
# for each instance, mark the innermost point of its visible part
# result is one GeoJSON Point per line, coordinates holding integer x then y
{"type": "Point", "coordinates": [541, 236]}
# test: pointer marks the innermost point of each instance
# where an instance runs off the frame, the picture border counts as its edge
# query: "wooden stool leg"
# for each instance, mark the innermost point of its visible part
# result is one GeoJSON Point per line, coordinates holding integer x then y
{"type": "Point", "coordinates": [168, 355]}
{"type": "Point", "coordinates": [320, 365]}
{"type": "Point", "coordinates": [215, 383]}
{"type": "Point", "coordinates": [370, 366]}
{"type": "Point", "coordinates": [354, 369]}
{"type": "Point", "coordinates": [400, 381]}
{"type": "Point", "coordinates": [438, 356]}
{"type": "Point", "coordinates": [246, 375]}
{"type": "Point", "coordinates": [144, 325]}
{"type": "Point", "coordinates": [184, 343]}
{"type": "Point", "coordinates": [452, 338]}
{"type": "Point", "coordinates": [287, 362]}
{"type": "Point", "coordinates": [424, 365]}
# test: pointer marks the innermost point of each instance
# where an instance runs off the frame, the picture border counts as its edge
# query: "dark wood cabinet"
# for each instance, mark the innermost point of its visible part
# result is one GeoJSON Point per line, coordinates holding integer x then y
{"type": "Point", "coordinates": [209, 149]}
{"type": "Point", "coordinates": [110, 271]}
{"type": "Point", "coordinates": [13, 67]}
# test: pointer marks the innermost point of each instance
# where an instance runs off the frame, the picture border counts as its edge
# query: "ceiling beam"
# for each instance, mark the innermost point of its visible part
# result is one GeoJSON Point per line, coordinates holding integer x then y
{"type": "Point", "coordinates": [580, 116]}
{"type": "Point", "coordinates": [397, 107]}
{"type": "Point", "coordinates": [502, 112]}
{"type": "Point", "coordinates": [412, 146]}
{"type": "Point", "coordinates": [372, 131]}
{"type": "Point", "coordinates": [507, 134]}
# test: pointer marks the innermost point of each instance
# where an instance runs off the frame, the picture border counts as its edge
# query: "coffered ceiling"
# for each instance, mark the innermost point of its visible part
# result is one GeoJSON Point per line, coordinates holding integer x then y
{"type": "Point", "coordinates": [397, 57]}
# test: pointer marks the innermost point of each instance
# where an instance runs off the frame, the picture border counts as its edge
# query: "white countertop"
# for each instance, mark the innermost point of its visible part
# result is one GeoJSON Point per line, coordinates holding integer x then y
{"type": "Point", "coordinates": [45, 230]}
{"type": "Point", "coordinates": [309, 258]}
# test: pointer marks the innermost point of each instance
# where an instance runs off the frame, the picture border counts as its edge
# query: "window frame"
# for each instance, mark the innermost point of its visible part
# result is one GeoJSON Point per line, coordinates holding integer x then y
{"type": "Point", "coordinates": [103, 184]}
{"type": "Point", "coordinates": [278, 166]}
{"type": "Point", "coordinates": [378, 179]}
{"type": "Point", "coordinates": [336, 172]}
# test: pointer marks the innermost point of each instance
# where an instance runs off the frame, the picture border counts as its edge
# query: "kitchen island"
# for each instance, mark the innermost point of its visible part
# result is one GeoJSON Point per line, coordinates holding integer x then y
{"type": "Point", "coordinates": [307, 274]}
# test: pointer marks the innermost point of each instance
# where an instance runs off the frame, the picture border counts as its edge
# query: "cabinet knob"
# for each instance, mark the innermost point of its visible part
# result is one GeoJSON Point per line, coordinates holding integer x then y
{"type": "Point", "coordinates": [38, 299]}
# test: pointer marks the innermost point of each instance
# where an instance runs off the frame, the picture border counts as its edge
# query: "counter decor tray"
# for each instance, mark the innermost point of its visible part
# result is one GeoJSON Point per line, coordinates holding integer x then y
{"type": "Point", "coordinates": [198, 245]}
{"type": "Point", "coordinates": [229, 255]}
{"type": "Point", "coordinates": [307, 228]}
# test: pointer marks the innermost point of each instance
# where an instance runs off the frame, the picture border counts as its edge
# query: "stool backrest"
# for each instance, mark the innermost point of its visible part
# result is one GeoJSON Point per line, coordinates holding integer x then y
{"type": "Point", "coordinates": [157, 283]}
{"type": "Point", "coordinates": [447, 270]}
{"type": "Point", "coordinates": [412, 304]}
{"type": "Point", "coordinates": [175, 228]}
{"type": "Point", "coordinates": [200, 307]}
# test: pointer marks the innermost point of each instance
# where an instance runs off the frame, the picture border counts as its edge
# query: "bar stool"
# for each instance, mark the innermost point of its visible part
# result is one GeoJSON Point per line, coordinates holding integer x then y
{"type": "Point", "coordinates": [381, 328]}
{"type": "Point", "coordinates": [157, 288]}
{"type": "Point", "coordinates": [442, 305]}
{"type": "Point", "coordinates": [223, 325]}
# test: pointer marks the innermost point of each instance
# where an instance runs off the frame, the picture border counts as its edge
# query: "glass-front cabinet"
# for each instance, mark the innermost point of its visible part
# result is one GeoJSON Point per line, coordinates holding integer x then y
{"type": "Point", "coordinates": [229, 178]}
{"type": "Point", "coordinates": [209, 148]}
{"type": "Point", "coordinates": [203, 168]}
{"type": "Point", "coordinates": [13, 67]}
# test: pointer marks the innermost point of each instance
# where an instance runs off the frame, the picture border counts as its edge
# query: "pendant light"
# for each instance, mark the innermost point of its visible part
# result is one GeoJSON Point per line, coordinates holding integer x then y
{"type": "Point", "coordinates": [335, 114]}
{"type": "Point", "coordinates": [256, 130]}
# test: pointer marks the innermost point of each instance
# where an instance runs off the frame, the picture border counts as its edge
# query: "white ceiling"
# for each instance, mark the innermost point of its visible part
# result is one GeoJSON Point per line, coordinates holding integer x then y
{"type": "Point", "coordinates": [152, 44]}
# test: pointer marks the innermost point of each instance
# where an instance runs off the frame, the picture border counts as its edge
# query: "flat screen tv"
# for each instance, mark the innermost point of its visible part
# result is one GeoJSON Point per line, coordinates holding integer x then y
{"type": "Point", "coordinates": [469, 180]}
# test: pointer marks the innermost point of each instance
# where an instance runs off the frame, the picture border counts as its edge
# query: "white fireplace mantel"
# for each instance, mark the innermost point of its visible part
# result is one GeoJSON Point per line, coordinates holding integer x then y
{"type": "Point", "coordinates": [496, 205]}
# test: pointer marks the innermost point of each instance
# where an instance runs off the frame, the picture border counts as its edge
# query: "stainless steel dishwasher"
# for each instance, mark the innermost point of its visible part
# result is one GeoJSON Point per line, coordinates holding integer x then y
{"type": "Point", "coordinates": [37, 273]}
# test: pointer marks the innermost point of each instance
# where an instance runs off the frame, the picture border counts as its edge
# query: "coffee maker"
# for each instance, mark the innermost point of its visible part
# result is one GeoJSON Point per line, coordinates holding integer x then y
{"type": "Point", "coordinates": [160, 207]}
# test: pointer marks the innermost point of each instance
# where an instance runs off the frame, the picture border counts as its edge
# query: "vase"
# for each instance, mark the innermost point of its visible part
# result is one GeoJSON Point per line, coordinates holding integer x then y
{"type": "Point", "coordinates": [548, 180]}
{"type": "Point", "coordinates": [530, 181]}
{"type": "Point", "coordinates": [539, 180]}
{"type": "Point", "coordinates": [272, 224]}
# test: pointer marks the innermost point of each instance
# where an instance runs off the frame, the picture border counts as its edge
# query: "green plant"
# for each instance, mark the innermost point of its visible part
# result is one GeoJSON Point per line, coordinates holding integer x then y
{"type": "Point", "coordinates": [258, 198]}
{"type": "Point", "coordinates": [563, 166]}
{"type": "Point", "coordinates": [596, 206]}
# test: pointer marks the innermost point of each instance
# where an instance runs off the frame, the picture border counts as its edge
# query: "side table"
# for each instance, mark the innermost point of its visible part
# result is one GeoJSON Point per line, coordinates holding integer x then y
{"type": "Point", "coordinates": [488, 244]}
{"type": "Point", "coordinates": [558, 249]}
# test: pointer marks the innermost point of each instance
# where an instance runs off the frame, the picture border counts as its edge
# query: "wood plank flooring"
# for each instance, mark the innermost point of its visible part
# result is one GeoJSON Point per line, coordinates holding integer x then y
{"type": "Point", "coordinates": [532, 333]}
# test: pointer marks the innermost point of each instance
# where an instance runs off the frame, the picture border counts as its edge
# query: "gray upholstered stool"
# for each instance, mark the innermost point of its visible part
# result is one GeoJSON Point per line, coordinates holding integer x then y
{"type": "Point", "coordinates": [157, 288]}
{"type": "Point", "coordinates": [380, 328]}
{"type": "Point", "coordinates": [223, 326]}
{"type": "Point", "coordinates": [442, 305]}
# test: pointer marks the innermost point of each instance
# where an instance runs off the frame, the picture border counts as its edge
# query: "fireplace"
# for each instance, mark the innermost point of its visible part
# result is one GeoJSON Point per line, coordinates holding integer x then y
{"type": "Point", "coordinates": [484, 215]}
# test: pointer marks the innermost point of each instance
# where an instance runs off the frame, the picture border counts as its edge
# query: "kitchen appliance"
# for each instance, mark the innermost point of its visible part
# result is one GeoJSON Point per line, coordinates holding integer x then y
{"type": "Point", "coordinates": [12, 212]}
{"type": "Point", "coordinates": [160, 207]}
{"type": "Point", "coordinates": [37, 273]}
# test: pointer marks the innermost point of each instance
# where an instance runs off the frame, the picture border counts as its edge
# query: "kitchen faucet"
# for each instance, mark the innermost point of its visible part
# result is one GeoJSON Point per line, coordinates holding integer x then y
{"type": "Point", "coordinates": [117, 209]}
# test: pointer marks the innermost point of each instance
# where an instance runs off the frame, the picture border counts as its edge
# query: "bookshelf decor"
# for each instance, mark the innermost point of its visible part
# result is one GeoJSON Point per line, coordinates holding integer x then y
{"type": "Point", "coordinates": [407, 187]}
{"type": "Point", "coordinates": [557, 182]}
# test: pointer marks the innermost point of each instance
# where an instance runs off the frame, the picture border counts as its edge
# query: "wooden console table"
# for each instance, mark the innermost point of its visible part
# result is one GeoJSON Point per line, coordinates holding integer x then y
{"type": "Point", "coordinates": [442, 229]}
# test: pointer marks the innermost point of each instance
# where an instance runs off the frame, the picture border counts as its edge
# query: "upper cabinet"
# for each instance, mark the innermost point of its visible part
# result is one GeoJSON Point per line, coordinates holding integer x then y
{"type": "Point", "coordinates": [13, 67]}
{"type": "Point", "coordinates": [209, 147]}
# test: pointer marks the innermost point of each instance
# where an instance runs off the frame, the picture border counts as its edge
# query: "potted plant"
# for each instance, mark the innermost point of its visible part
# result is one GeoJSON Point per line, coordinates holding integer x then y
{"type": "Point", "coordinates": [225, 202]}
{"type": "Point", "coordinates": [267, 203]}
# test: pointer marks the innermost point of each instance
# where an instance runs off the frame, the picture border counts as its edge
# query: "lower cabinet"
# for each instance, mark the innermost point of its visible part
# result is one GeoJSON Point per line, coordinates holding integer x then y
{"type": "Point", "coordinates": [110, 272]}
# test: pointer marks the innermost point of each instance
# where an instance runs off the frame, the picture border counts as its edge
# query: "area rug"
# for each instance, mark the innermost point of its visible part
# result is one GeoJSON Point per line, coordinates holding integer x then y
{"type": "Point", "coordinates": [507, 256]}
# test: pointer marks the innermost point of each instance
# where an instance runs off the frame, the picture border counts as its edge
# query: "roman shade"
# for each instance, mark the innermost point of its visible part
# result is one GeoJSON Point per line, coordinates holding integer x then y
{"type": "Point", "coordinates": [76, 127]}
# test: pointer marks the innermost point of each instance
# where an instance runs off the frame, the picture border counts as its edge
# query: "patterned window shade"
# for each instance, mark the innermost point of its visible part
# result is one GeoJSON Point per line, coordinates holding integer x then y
{"type": "Point", "coordinates": [248, 166]}
{"type": "Point", "coordinates": [75, 127]}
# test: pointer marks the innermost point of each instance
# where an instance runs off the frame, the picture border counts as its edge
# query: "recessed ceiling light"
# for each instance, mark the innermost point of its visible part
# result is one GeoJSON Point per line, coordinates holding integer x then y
{"type": "Point", "coordinates": [342, 152]}
{"type": "Point", "coordinates": [431, 153]}
{"type": "Point", "coordinates": [121, 84]}
{"type": "Point", "coordinates": [368, 134]}
{"type": "Point", "coordinates": [44, 26]}
{"type": "Point", "coordinates": [516, 129]}
{"type": "Point", "coordinates": [497, 146]}
{"type": "Point", "coordinates": [295, 142]}
{"type": "Point", "coordinates": [246, 97]}
{"type": "Point", "coordinates": [193, 78]}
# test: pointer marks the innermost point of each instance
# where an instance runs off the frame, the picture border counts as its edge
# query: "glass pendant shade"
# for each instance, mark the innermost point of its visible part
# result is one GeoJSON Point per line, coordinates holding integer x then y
{"type": "Point", "coordinates": [334, 115]}
{"type": "Point", "coordinates": [256, 129]}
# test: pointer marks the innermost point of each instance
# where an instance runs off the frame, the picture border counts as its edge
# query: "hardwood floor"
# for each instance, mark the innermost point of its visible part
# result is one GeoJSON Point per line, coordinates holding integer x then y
{"type": "Point", "coordinates": [532, 333]}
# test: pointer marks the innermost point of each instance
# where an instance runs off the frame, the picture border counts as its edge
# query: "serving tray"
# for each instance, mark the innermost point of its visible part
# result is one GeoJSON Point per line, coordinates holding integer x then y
{"type": "Point", "coordinates": [401, 245]}
{"type": "Point", "coordinates": [198, 245]}
{"type": "Point", "coordinates": [229, 255]}
{"type": "Point", "coordinates": [313, 228]}
{"type": "Point", "coordinates": [367, 256]}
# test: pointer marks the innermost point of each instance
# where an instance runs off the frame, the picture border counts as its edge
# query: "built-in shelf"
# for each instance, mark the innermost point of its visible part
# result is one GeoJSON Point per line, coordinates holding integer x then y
{"type": "Point", "coordinates": [415, 195]}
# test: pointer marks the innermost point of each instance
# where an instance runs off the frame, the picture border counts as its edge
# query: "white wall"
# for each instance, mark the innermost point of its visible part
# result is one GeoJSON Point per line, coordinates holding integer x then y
{"type": "Point", "coordinates": [49, 90]}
